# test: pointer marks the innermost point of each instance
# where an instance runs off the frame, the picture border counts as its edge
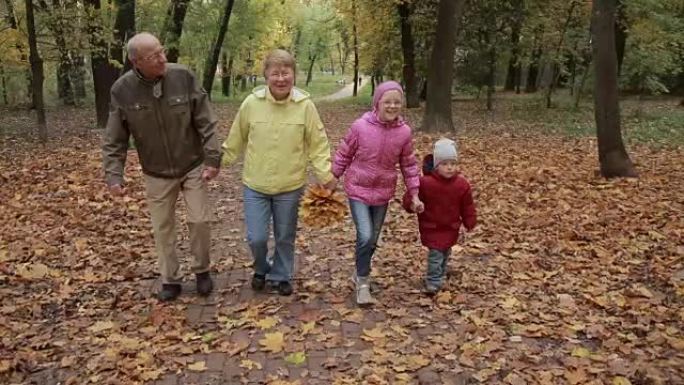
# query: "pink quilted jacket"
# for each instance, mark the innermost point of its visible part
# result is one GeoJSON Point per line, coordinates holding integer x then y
{"type": "Point", "coordinates": [368, 157]}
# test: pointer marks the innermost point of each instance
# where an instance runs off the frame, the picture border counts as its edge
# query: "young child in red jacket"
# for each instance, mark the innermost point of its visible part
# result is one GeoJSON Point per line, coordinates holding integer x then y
{"type": "Point", "coordinates": [448, 204]}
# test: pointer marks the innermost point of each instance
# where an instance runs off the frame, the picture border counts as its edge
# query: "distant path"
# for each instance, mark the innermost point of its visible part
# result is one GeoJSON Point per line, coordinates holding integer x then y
{"type": "Point", "coordinates": [345, 92]}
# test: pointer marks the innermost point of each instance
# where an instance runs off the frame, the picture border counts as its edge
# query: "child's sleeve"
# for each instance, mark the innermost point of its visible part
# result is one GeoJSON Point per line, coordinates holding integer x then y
{"type": "Point", "coordinates": [345, 151]}
{"type": "Point", "coordinates": [406, 202]}
{"type": "Point", "coordinates": [468, 212]}
{"type": "Point", "coordinates": [409, 168]}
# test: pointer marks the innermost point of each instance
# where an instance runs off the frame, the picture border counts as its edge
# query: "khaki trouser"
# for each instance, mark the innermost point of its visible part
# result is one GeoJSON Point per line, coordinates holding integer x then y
{"type": "Point", "coordinates": [162, 194]}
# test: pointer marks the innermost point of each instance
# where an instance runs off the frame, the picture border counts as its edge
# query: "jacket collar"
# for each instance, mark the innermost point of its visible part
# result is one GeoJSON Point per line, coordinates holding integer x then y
{"type": "Point", "coordinates": [372, 118]}
{"type": "Point", "coordinates": [296, 95]}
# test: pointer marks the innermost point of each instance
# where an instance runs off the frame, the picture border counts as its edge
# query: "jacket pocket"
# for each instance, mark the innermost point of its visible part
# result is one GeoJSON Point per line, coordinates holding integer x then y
{"type": "Point", "coordinates": [179, 104]}
{"type": "Point", "coordinates": [141, 119]}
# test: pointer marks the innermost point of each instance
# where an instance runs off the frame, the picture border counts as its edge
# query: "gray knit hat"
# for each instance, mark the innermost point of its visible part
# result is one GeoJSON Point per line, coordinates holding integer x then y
{"type": "Point", "coordinates": [445, 149]}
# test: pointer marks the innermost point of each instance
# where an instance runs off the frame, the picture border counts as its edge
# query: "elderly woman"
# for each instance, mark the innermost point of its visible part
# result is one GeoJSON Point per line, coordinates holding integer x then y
{"type": "Point", "coordinates": [279, 131]}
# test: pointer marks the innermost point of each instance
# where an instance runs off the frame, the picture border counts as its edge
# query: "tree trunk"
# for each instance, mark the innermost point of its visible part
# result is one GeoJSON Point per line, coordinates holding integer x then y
{"type": "Point", "coordinates": [64, 89]}
{"type": "Point", "coordinates": [11, 19]}
{"type": "Point", "coordinates": [437, 116]}
{"type": "Point", "coordinates": [555, 64]}
{"type": "Point", "coordinates": [243, 83]}
{"type": "Point", "coordinates": [36, 72]}
{"type": "Point", "coordinates": [172, 35]}
{"type": "Point", "coordinates": [309, 74]}
{"type": "Point", "coordinates": [124, 29]}
{"type": "Point", "coordinates": [620, 35]}
{"type": "Point", "coordinates": [78, 76]}
{"type": "Point", "coordinates": [212, 59]}
{"type": "Point", "coordinates": [3, 79]}
{"type": "Point", "coordinates": [514, 68]}
{"type": "Point", "coordinates": [491, 76]}
{"type": "Point", "coordinates": [226, 73]}
{"type": "Point", "coordinates": [535, 63]}
{"type": "Point", "coordinates": [356, 51]}
{"type": "Point", "coordinates": [613, 157]}
{"type": "Point", "coordinates": [332, 63]}
{"type": "Point", "coordinates": [580, 87]}
{"type": "Point", "coordinates": [407, 47]}
{"type": "Point", "coordinates": [104, 72]}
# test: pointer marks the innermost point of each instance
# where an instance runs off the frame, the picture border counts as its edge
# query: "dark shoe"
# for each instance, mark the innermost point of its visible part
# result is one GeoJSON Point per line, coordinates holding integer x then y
{"type": "Point", "coordinates": [258, 282]}
{"type": "Point", "coordinates": [169, 292]}
{"type": "Point", "coordinates": [284, 288]}
{"type": "Point", "coordinates": [204, 284]}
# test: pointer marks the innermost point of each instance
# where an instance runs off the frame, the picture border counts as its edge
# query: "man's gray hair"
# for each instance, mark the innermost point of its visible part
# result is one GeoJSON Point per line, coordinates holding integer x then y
{"type": "Point", "coordinates": [134, 42]}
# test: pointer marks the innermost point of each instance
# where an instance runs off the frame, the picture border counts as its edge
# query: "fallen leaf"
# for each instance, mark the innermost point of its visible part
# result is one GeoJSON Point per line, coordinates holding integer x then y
{"type": "Point", "coordinates": [250, 365]}
{"type": "Point", "coordinates": [619, 380]}
{"type": "Point", "coordinates": [272, 342]}
{"type": "Point", "coordinates": [267, 323]}
{"type": "Point", "coordinates": [296, 358]}
{"type": "Point", "coordinates": [101, 326]}
{"type": "Point", "coordinates": [198, 366]}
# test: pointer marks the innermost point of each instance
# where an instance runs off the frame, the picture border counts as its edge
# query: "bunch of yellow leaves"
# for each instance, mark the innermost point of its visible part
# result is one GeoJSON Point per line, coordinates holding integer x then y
{"type": "Point", "coordinates": [321, 207]}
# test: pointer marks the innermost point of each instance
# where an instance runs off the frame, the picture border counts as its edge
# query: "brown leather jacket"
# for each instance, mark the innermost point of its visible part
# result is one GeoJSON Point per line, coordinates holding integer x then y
{"type": "Point", "coordinates": [173, 132]}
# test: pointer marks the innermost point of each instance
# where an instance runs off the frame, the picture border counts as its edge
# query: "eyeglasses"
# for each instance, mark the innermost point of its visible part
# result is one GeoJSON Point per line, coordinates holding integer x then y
{"type": "Point", "coordinates": [156, 55]}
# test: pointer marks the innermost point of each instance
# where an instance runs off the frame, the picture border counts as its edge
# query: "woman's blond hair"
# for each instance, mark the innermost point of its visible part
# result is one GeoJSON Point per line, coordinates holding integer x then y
{"type": "Point", "coordinates": [280, 57]}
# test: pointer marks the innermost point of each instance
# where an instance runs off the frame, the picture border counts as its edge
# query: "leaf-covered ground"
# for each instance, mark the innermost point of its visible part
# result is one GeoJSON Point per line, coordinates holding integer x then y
{"type": "Point", "coordinates": [569, 278]}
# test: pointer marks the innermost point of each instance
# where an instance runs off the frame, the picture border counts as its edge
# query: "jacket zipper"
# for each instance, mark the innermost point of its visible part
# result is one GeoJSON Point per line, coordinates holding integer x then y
{"type": "Point", "coordinates": [160, 126]}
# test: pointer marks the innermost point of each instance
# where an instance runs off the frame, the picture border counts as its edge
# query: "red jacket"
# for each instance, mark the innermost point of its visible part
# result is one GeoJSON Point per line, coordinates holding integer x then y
{"type": "Point", "coordinates": [448, 204]}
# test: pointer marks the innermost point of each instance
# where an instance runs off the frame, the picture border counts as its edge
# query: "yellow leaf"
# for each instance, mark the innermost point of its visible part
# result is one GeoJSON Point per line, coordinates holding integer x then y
{"type": "Point", "coordinates": [151, 375]}
{"type": "Point", "coordinates": [307, 327]}
{"type": "Point", "coordinates": [273, 342]}
{"type": "Point", "coordinates": [581, 352]}
{"type": "Point", "coordinates": [32, 271]}
{"type": "Point", "coordinates": [198, 366]}
{"type": "Point", "coordinates": [267, 323]}
{"type": "Point", "coordinates": [510, 302]}
{"type": "Point", "coordinates": [250, 365]}
{"type": "Point", "coordinates": [375, 333]}
{"type": "Point", "coordinates": [416, 362]}
{"type": "Point", "coordinates": [297, 358]}
{"type": "Point", "coordinates": [101, 326]}
{"type": "Point", "coordinates": [619, 380]}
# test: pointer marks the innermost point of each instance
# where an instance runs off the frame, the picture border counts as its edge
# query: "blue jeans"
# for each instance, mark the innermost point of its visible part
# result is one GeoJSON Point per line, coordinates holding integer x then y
{"type": "Point", "coordinates": [368, 221]}
{"type": "Point", "coordinates": [437, 267]}
{"type": "Point", "coordinates": [282, 208]}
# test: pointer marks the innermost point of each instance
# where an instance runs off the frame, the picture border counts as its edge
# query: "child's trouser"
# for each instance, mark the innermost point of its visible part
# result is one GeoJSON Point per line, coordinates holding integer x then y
{"type": "Point", "coordinates": [368, 221]}
{"type": "Point", "coordinates": [436, 267]}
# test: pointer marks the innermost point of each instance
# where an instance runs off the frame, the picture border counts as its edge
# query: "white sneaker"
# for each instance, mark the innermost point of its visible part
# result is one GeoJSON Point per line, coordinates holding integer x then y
{"type": "Point", "coordinates": [363, 293]}
{"type": "Point", "coordinates": [374, 288]}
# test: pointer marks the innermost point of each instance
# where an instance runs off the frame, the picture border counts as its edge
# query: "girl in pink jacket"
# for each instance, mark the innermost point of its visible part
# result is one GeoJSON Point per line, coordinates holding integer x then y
{"type": "Point", "coordinates": [367, 157]}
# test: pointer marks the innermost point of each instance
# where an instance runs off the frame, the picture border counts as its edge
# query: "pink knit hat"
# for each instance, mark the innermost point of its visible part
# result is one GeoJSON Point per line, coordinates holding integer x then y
{"type": "Point", "coordinates": [384, 87]}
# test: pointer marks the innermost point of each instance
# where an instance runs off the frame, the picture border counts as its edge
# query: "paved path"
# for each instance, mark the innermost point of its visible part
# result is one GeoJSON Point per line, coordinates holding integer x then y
{"type": "Point", "coordinates": [345, 92]}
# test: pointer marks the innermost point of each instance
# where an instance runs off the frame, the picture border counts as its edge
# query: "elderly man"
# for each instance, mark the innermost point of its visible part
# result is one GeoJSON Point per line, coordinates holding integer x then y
{"type": "Point", "coordinates": [174, 130]}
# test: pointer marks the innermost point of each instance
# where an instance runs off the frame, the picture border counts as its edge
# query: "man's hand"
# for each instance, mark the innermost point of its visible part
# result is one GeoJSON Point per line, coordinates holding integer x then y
{"type": "Point", "coordinates": [209, 173]}
{"type": "Point", "coordinates": [416, 205]}
{"type": "Point", "coordinates": [117, 190]}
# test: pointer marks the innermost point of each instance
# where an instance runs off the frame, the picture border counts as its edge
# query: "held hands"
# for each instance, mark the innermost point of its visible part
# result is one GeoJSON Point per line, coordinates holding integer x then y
{"type": "Point", "coordinates": [416, 205]}
{"type": "Point", "coordinates": [331, 185]}
{"type": "Point", "coordinates": [209, 173]}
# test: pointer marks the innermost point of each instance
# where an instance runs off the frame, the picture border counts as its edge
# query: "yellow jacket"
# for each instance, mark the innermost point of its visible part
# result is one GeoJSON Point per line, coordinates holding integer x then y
{"type": "Point", "coordinates": [278, 139]}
